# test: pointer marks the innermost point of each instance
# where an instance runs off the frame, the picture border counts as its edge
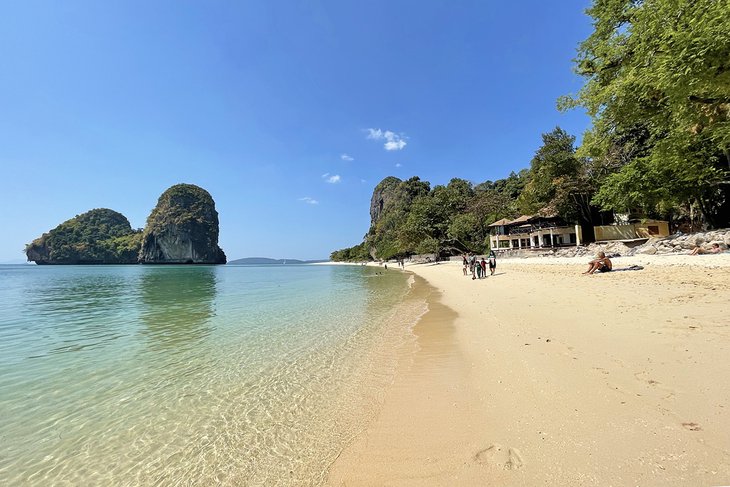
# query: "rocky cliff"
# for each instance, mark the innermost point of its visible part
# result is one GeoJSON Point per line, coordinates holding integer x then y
{"type": "Point", "coordinates": [99, 236]}
{"type": "Point", "coordinates": [182, 229]}
{"type": "Point", "coordinates": [384, 196]}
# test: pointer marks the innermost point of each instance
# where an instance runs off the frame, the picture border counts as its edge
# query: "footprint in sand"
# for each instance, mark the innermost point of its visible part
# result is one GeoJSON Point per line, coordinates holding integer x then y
{"type": "Point", "coordinates": [498, 456]}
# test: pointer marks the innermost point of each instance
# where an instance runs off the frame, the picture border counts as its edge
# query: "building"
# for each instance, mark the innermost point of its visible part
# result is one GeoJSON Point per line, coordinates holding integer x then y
{"type": "Point", "coordinates": [533, 232]}
{"type": "Point", "coordinates": [639, 230]}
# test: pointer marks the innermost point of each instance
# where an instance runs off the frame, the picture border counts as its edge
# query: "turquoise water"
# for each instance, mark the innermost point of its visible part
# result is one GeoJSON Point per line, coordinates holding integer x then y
{"type": "Point", "coordinates": [175, 375]}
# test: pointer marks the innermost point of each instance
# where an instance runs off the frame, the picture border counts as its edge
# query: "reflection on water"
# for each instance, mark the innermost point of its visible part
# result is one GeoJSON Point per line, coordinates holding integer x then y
{"type": "Point", "coordinates": [189, 375]}
{"type": "Point", "coordinates": [177, 304]}
{"type": "Point", "coordinates": [81, 307]}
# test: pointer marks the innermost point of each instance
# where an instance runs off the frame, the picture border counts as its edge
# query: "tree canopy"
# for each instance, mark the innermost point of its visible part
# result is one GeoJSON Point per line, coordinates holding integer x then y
{"type": "Point", "coordinates": [658, 91]}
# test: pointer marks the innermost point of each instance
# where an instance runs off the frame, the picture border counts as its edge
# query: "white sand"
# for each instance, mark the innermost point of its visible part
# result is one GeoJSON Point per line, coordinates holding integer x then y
{"type": "Point", "coordinates": [542, 376]}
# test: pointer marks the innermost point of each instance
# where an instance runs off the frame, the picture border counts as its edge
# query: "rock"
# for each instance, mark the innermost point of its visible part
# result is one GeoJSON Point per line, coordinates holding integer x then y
{"type": "Point", "coordinates": [384, 196]}
{"type": "Point", "coordinates": [99, 236]}
{"type": "Point", "coordinates": [612, 248]}
{"type": "Point", "coordinates": [182, 229]}
{"type": "Point", "coordinates": [679, 243]}
{"type": "Point", "coordinates": [390, 202]}
{"type": "Point", "coordinates": [648, 250]}
{"type": "Point", "coordinates": [696, 240]}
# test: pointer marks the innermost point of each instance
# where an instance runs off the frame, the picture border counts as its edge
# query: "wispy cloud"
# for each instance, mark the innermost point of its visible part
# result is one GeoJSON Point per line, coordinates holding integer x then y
{"type": "Point", "coordinates": [346, 157]}
{"type": "Point", "coordinates": [309, 201]}
{"type": "Point", "coordinates": [392, 140]}
{"type": "Point", "coordinates": [332, 179]}
{"type": "Point", "coordinates": [398, 164]}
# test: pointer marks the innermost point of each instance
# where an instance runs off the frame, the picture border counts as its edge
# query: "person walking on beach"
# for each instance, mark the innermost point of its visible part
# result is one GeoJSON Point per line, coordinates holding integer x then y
{"type": "Point", "coordinates": [478, 268]}
{"type": "Point", "coordinates": [492, 262]}
{"type": "Point", "coordinates": [483, 264]}
{"type": "Point", "coordinates": [465, 266]}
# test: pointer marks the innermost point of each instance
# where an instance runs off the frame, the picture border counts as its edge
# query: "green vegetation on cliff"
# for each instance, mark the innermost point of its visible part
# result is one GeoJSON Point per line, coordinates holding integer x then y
{"type": "Point", "coordinates": [182, 228]}
{"type": "Point", "coordinates": [99, 236]}
{"type": "Point", "coordinates": [409, 217]}
{"type": "Point", "coordinates": [180, 204]}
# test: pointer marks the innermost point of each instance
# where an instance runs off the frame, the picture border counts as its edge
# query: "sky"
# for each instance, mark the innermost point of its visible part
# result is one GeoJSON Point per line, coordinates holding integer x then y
{"type": "Point", "coordinates": [287, 112]}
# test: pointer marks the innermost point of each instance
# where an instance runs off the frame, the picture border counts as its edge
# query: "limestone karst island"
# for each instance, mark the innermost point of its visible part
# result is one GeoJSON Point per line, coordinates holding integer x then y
{"type": "Point", "coordinates": [182, 229]}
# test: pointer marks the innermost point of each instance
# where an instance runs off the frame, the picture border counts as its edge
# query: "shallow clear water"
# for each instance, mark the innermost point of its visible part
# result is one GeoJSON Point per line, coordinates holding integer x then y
{"type": "Point", "coordinates": [191, 375]}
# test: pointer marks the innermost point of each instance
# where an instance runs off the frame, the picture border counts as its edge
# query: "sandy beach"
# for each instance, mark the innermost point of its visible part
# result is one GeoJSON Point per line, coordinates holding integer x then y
{"type": "Point", "coordinates": [539, 375]}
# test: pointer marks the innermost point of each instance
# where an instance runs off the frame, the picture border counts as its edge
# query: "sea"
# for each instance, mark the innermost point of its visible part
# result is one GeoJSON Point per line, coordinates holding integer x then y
{"type": "Point", "coordinates": [193, 375]}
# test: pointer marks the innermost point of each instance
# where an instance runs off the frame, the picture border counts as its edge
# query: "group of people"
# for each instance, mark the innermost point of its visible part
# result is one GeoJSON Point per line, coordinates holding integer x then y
{"type": "Point", "coordinates": [603, 264]}
{"type": "Point", "coordinates": [478, 268]}
{"type": "Point", "coordinates": [715, 249]}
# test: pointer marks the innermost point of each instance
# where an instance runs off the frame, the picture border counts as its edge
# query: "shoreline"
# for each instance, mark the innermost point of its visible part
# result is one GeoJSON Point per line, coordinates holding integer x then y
{"type": "Point", "coordinates": [539, 375]}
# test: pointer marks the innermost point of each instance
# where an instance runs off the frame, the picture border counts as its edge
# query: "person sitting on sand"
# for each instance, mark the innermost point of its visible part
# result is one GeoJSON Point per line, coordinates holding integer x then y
{"type": "Point", "coordinates": [714, 250]}
{"type": "Point", "coordinates": [601, 264]}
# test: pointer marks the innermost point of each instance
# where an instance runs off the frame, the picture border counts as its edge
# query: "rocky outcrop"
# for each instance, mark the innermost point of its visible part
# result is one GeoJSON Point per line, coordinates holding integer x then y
{"type": "Point", "coordinates": [384, 196]}
{"type": "Point", "coordinates": [182, 229]}
{"type": "Point", "coordinates": [99, 236]}
{"type": "Point", "coordinates": [683, 243]}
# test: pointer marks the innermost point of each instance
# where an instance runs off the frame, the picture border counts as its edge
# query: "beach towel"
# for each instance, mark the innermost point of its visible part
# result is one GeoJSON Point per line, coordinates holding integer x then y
{"type": "Point", "coordinates": [629, 268]}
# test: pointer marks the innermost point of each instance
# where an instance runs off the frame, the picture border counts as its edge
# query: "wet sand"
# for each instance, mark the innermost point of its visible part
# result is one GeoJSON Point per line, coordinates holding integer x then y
{"type": "Point", "coordinates": [539, 375]}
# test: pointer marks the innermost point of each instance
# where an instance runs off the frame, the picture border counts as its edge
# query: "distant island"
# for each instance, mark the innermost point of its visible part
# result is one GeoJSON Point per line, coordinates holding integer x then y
{"type": "Point", "coordinates": [267, 261]}
{"type": "Point", "coordinates": [181, 229]}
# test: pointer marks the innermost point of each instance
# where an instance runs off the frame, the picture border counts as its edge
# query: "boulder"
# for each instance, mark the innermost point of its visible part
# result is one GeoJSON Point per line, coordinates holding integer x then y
{"type": "Point", "coordinates": [646, 250]}
{"type": "Point", "coordinates": [182, 229]}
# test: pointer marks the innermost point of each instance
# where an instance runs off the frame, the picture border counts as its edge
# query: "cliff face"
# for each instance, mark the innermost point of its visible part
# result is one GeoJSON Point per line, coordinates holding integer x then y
{"type": "Point", "coordinates": [99, 236]}
{"type": "Point", "coordinates": [384, 196]}
{"type": "Point", "coordinates": [389, 208]}
{"type": "Point", "coordinates": [182, 229]}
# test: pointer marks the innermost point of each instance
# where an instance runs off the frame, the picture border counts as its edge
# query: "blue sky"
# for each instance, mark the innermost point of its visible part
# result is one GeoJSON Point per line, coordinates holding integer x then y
{"type": "Point", "coordinates": [287, 112]}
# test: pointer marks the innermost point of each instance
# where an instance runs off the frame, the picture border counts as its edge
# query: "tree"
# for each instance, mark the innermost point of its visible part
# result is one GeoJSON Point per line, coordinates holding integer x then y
{"type": "Point", "coordinates": [559, 181]}
{"type": "Point", "coordinates": [658, 90]}
{"type": "Point", "coordinates": [431, 217]}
